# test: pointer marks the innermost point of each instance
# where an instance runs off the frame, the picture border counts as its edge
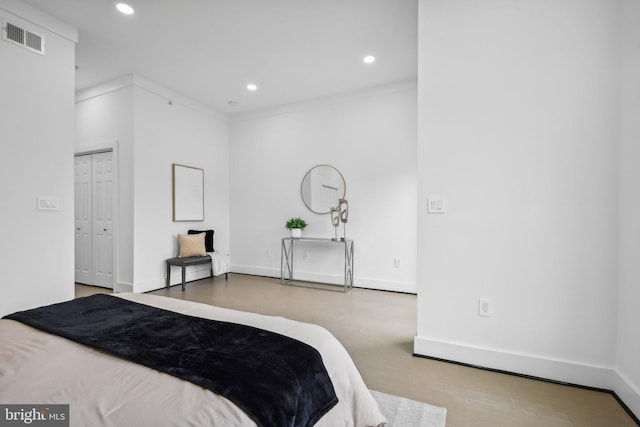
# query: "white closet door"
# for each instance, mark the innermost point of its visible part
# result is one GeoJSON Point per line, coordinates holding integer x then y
{"type": "Point", "coordinates": [83, 220]}
{"type": "Point", "coordinates": [102, 171]}
{"type": "Point", "coordinates": [94, 219]}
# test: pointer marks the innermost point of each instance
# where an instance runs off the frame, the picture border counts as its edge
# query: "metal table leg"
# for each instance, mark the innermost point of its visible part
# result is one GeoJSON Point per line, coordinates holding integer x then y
{"type": "Point", "coordinates": [286, 261]}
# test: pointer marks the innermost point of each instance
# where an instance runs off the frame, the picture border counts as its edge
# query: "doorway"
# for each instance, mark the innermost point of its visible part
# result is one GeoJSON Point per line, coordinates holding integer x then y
{"type": "Point", "coordinates": [94, 196]}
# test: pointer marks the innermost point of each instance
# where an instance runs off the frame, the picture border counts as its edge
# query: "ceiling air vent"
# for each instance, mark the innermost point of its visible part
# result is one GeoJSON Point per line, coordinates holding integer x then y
{"type": "Point", "coordinates": [21, 37]}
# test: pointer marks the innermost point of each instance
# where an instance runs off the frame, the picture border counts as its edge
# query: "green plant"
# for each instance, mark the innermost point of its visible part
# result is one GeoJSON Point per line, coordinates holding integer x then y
{"type": "Point", "coordinates": [295, 223]}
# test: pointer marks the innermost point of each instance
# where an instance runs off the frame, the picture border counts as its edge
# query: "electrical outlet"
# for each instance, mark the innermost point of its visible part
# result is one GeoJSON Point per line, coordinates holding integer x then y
{"type": "Point", "coordinates": [306, 255]}
{"type": "Point", "coordinates": [396, 262]}
{"type": "Point", "coordinates": [267, 252]}
{"type": "Point", "coordinates": [485, 307]}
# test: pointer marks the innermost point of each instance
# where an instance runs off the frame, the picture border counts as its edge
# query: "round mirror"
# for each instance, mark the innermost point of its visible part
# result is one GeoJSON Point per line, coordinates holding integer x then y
{"type": "Point", "coordinates": [322, 187]}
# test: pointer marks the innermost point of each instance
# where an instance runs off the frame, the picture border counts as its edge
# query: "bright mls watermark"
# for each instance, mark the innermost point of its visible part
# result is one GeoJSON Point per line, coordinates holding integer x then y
{"type": "Point", "coordinates": [34, 415]}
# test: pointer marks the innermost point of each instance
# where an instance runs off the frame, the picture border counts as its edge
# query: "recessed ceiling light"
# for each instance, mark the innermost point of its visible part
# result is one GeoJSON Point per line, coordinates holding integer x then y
{"type": "Point", "coordinates": [369, 59]}
{"type": "Point", "coordinates": [233, 103]}
{"type": "Point", "coordinates": [252, 87]}
{"type": "Point", "coordinates": [125, 8]}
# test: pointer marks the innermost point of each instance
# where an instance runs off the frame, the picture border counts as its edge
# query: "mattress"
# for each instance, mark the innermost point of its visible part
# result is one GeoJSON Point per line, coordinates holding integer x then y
{"type": "Point", "coordinates": [103, 390]}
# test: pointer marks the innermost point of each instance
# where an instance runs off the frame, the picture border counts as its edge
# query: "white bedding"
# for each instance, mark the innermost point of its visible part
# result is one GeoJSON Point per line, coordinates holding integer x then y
{"type": "Point", "coordinates": [102, 390]}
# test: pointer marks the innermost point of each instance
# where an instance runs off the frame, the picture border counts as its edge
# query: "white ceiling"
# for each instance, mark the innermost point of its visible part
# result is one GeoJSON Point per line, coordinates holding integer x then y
{"type": "Point", "coordinates": [208, 50]}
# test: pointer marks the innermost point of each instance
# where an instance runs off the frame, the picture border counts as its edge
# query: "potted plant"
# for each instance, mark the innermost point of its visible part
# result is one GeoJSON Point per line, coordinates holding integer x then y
{"type": "Point", "coordinates": [296, 225]}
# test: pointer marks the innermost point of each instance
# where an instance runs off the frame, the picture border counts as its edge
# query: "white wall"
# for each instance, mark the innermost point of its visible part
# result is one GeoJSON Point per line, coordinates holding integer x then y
{"type": "Point", "coordinates": [370, 137]}
{"type": "Point", "coordinates": [151, 133]}
{"type": "Point", "coordinates": [517, 128]}
{"type": "Point", "coordinates": [36, 135]}
{"type": "Point", "coordinates": [627, 378]}
{"type": "Point", "coordinates": [187, 134]}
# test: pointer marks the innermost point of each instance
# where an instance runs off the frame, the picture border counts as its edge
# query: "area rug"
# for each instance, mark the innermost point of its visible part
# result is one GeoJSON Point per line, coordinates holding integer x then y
{"type": "Point", "coordinates": [401, 412]}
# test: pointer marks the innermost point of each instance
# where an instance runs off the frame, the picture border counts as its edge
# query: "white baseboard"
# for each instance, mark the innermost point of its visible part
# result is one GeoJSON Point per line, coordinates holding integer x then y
{"type": "Point", "coordinates": [628, 392]}
{"type": "Point", "coordinates": [599, 377]}
{"type": "Point", "coordinates": [524, 364]}
{"type": "Point", "coordinates": [123, 287]}
{"type": "Point", "coordinates": [334, 279]}
{"type": "Point", "coordinates": [386, 285]}
{"type": "Point", "coordinates": [255, 271]}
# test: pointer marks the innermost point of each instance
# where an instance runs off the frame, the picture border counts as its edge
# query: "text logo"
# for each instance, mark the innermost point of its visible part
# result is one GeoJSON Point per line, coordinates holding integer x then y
{"type": "Point", "coordinates": [34, 415]}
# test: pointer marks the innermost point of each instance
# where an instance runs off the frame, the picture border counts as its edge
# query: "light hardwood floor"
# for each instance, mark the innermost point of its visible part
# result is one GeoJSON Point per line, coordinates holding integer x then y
{"type": "Point", "coordinates": [377, 329]}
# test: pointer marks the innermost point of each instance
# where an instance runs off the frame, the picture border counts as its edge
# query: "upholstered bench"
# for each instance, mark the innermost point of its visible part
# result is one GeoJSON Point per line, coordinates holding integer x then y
{"type": "Point", "coordinates": [184, 263]}
{"type": "Point", "coordinates": [196, 248]}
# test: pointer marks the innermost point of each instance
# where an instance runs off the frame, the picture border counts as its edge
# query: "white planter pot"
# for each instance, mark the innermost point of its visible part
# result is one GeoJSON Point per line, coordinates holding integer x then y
{"type": "Point", "coordinates": [296, 233]}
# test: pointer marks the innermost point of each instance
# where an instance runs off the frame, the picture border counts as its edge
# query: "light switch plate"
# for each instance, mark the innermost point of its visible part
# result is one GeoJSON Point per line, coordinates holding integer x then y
{"type": "Point", "coordinates": [436, 205]}
{"type": "Point", "coordinates": [48, 204]}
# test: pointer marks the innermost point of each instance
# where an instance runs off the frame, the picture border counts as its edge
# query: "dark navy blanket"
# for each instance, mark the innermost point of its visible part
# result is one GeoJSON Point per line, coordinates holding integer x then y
{"type": "Point", "coordinates": [276, 380]}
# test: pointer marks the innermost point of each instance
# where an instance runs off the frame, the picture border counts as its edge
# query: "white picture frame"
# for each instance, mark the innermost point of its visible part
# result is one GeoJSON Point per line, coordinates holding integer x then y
{"type": "Point", "coordinates": [188, 193]}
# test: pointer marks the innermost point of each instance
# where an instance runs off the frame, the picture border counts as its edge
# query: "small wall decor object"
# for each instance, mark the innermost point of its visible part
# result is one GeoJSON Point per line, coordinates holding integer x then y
{"type": "Point", "coordinates": [335, 221]}
{"type": "Point", "coordinates": [188, 193]}
{"type": "Point", "coordinates": [343, 208]}
{"type": "Point", "coordinates": [296, 225]}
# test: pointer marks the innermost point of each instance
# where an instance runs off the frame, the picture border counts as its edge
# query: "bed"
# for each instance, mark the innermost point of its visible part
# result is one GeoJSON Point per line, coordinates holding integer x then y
{"type": "Point", "coordinates": [104, 390]}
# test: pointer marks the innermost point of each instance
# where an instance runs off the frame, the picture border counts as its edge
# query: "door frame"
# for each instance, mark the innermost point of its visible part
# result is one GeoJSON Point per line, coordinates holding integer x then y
{"type": "Point", "coordinates": [102, 147]}
{"type": "Point", "coordinates": [83, 224]}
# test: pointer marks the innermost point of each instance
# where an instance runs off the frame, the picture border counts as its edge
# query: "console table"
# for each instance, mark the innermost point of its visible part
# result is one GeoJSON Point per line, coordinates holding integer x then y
{"type": "Point", "coordinates": [287, 251]}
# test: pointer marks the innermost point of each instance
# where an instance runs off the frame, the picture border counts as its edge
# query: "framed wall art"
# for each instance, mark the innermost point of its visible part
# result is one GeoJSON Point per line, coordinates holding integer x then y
{"type": "Point", "coordinates": [188, 193]}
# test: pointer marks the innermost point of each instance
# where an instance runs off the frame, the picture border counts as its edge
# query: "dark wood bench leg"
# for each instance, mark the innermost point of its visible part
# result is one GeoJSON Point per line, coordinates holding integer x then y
{"type": "Point", "coordinates": [226, 276]}
{"type": "Point", "coordinates": [168, 274]}
{"type": "Point", "coordinates": [184, 263]}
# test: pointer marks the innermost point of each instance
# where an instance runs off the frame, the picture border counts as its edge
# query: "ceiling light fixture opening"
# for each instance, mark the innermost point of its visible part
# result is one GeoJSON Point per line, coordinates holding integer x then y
{"type": "Point", "coordinates": [125, 8]}
{"type": "Point", "coordinates": [369, 59]}
{"type": "Point", "coordinates": [252, 87]}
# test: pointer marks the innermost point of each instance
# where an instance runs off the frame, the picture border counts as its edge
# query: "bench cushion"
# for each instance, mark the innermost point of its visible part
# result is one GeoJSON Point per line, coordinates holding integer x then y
{"type": "Point", "coordinates": [192, 260]}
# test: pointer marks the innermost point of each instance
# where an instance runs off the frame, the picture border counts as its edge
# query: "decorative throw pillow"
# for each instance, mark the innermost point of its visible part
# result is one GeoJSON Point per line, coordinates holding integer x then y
{"type": "Point", "coordinates": [191, 245]}
{"type": "Point", "coordinates": [208, 238]}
